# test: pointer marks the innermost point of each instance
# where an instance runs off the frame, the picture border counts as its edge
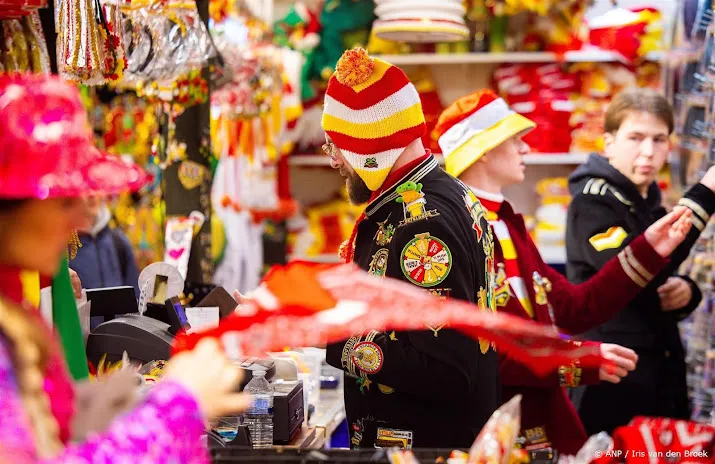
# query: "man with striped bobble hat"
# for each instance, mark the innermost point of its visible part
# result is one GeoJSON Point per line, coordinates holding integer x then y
{"type": "Point", "coordinates": [432, 388]}
{"type": "Point", "coordinates": [481, 138]}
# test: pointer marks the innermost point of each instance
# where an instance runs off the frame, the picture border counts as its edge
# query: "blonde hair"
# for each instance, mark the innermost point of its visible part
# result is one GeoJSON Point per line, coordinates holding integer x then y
{"type": "Point", "coordinates": [30, 351]}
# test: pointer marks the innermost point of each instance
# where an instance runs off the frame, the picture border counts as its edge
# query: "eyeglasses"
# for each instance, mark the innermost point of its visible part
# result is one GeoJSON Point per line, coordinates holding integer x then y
{"type": "Point", "coordinates": [329, 149]}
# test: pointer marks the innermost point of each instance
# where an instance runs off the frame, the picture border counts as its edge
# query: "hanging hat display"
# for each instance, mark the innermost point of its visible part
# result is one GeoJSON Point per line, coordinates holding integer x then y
{"type": "Point", "coordinates": [421, 20]}
{"type": "Point", "coordinates": [475, 124]}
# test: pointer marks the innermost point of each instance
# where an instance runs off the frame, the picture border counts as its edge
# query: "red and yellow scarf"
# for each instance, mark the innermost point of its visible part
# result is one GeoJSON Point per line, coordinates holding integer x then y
{"type": "Point", "coordinates": [508, 272]}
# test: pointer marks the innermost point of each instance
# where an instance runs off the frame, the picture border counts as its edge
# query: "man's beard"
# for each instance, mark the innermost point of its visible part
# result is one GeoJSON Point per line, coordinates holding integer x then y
{"type": "Point", "coordinates": [358, 192]}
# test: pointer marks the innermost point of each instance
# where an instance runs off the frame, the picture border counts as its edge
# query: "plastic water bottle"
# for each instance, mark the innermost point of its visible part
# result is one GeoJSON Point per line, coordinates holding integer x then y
{"type": "Point", "coordinates": [259, 418]}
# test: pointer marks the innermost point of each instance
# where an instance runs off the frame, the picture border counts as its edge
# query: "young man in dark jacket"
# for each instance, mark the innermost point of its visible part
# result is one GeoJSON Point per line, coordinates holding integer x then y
{"type": "Point", "coordinates": [615, 198]}
{"type": "Point", "coordinates": [430, 388]}
{"type": "Point", "coordinates": [106, 258]}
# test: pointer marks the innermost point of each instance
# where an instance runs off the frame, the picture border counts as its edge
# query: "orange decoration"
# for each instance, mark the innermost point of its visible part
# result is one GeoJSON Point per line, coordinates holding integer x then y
{"type": "Point", "coordinates": [354, 67]}
{"type": "Point", "coordinates": [281, 283]}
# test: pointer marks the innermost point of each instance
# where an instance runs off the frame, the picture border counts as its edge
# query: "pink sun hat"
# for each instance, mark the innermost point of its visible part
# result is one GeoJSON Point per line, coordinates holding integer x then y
{"type": "Point", "coordinates": [46, 144]}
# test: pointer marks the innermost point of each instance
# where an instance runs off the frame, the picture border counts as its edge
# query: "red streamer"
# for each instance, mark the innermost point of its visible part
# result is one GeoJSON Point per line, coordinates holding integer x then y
{"type": "Point", "coordinates": [307, 304]}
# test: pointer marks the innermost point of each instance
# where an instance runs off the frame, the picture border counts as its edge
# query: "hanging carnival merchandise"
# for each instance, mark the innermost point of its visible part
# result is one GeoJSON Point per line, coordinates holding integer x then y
{"type": "Point", "coordinates": [179, 235]}
{"type": "Point", "coordinates": [23, 47]}
{"type": "Point", "coordinates": [127, 126]}
{"type": "Point", "coordinates": [163, 40]}
{"type": "Point", "coordinates": [253, 121]}
{"type": "Point", "coordinates": [88, 45]}
{"type": "Point", "coordinates": [18, 8]}
{"type": "Point", "coordinates": [248, 127]}
{"type": "Point", "coordinates": [299, 30]}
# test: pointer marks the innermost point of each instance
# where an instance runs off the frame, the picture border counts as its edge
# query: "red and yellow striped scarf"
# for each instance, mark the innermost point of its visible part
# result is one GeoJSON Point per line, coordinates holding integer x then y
{"type": "Point", "coordinates": [508, 272]}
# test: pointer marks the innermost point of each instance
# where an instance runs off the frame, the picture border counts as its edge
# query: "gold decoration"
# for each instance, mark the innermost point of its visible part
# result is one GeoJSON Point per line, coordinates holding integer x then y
{"type": "Point", "coordinates": [482, 302]}
{"type": "Point", "coordinates": [74, 246]}
{"type": "Point", "coordinates": [191, 174]}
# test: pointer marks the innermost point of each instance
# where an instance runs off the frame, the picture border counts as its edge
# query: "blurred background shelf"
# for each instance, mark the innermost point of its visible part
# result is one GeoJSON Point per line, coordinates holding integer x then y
{"type": "Point", "coordinates": [594, 55]}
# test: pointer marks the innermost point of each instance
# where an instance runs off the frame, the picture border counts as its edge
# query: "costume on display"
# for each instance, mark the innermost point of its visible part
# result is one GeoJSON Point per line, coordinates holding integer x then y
{"type": "Point", "coordinates": [432, 388]}
{"type": "Point", "coordinates": [606, 213]}
{"type": "Point", "coordinates": [527, 287]}
{"type": "Point", "coordinates": [36, 396]}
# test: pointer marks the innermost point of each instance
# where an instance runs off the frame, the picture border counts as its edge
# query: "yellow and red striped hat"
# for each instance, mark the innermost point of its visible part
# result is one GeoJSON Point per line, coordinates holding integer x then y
{"type": "Point", "coordinates": [473, 125]}
{"type": "Point", "coordinates": [372, 113]}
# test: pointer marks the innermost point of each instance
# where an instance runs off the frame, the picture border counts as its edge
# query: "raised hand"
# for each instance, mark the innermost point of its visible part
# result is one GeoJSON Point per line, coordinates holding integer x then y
{"type": "Point", "coordinates": [668, 232]}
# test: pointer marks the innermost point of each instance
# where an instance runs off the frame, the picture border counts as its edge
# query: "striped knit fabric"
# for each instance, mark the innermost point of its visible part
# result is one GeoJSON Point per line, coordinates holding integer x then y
{"type": "Point", "coordinates": [372, 113]}
{"type": "Point", "coordinates": [492, 203]}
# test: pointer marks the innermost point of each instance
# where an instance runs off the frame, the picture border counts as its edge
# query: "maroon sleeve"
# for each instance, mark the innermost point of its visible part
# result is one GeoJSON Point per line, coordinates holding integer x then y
{"type": "Point", "coordinates": [578, 308]}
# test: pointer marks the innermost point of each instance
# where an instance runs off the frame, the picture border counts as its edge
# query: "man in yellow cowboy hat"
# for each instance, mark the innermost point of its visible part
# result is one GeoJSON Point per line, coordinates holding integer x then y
{"type": "Point", "coordinates": [481, 139]}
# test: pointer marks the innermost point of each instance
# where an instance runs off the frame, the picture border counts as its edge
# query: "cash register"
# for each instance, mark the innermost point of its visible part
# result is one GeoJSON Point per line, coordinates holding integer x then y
{"type": "Point", "coordinates": [144, 330]}
{"type": "Point", "coordinates": [142, 337]}
{"type": "Point", "coordinates": [148, 336]}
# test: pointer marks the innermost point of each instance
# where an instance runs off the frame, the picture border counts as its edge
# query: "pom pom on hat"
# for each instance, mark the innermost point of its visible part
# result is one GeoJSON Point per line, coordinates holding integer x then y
{"type": "Point", "coordinates": [354, 67]}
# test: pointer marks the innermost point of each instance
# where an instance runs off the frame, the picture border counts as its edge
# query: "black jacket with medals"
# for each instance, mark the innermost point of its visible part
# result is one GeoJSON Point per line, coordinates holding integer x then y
{"type": "Point", "coordinates": [434, 388]}
{"type": "Point", "coordinates": [605, 214]}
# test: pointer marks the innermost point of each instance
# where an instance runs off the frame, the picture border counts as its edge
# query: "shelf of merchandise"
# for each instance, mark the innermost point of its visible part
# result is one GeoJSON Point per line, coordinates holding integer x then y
{"type": "Point", "coordinates": [536, 159]}
{"type": "Point", "coordinates": [593, 55]}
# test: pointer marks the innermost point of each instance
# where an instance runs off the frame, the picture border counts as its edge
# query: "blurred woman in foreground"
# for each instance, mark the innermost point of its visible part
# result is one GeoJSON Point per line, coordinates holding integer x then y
{"type": "Point", "coordinates": [48, 164]}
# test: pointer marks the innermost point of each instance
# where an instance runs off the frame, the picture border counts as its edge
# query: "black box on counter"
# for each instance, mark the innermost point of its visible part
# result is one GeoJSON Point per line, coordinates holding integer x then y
{"type": "Point", "coordinates": [288, 411]}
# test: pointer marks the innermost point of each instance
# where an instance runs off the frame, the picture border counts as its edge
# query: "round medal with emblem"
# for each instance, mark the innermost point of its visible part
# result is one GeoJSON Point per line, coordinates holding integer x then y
{"type": "Point", "coordinates": [368, 357]}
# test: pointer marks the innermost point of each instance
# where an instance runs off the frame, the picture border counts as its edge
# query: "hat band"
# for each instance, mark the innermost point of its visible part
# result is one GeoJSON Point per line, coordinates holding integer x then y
{"type": "Point", "coordinates": [489, 115]}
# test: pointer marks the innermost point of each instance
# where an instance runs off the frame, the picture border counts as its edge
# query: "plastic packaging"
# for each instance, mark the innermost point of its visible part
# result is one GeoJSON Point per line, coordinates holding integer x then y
{"type": "Point", "coordinates": [259, 417]}
{"type": "Point", "coordinates": [597, 445]}
{"type": "Point", "coordinates": [496, 440]}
